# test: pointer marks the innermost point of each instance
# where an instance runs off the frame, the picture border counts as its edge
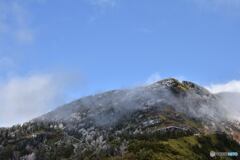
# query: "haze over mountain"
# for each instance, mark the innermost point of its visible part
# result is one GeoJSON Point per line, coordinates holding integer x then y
{"type": "Point", "coordinates": [185, 97]}
{"type": "Point", "coordinates": [168, 119]}
{"type": "Point", "coordinates": [110, 44]}
{"type": "Point", "coordinates": [67, 67]}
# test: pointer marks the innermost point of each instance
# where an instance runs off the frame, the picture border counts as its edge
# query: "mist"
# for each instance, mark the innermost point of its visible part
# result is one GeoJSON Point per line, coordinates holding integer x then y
{"type": "Point", "coordinates": [229, 98]}
{"type": "Point", "coordinates": [23, 98]}
{"type": "Point", "coordinates": [106, 109]}
{"type": "Point", "coordinates": [197, 102]}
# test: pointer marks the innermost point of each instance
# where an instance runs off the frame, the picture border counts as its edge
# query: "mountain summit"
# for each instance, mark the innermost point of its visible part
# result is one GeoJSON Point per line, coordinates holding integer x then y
{"type": "Point", "coordinates": [165, 120]}
{"type": "Point", "coordinates": [108, 107]}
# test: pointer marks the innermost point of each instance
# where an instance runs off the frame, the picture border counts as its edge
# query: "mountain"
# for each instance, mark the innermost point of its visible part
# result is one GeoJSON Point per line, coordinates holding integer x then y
{"type": "Point", "coordinates": [166, 120]}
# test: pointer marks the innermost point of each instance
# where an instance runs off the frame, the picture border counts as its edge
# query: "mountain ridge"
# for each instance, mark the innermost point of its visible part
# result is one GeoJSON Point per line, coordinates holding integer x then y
{"type": "Point", "coordinates": [165, 120]}
{"type": "Point", "coordinates": [165, 91]}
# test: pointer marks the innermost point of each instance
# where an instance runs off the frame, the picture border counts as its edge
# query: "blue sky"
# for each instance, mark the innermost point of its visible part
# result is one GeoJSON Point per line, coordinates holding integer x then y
{"type": "Point", "coordinates": [80, 47]}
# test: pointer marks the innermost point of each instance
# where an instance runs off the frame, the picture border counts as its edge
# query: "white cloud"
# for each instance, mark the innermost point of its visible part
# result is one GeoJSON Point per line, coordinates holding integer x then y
{"type": "Point", "coordinates": [14, 21]}
{"type": "Point", "coordinates": [24, 98]}
{"type": "Point", "coordinates": [153, 78]}
{"type": "Point", "coordinates": [230, 102]}
{"type": "Point", "coordinates": [232, 86]}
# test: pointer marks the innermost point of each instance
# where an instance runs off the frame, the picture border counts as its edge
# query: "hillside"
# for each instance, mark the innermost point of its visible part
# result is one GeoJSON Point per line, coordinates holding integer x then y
{"type": "Point", "coordinates": [166, 120]}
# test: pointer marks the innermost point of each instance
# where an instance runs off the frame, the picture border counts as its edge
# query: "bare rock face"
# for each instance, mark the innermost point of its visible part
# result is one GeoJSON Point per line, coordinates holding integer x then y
{"type": "Point", "coordinates": [154, 121]}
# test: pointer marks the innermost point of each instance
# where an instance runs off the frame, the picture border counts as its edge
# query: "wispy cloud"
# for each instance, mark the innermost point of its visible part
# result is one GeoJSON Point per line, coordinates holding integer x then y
{"type": "Point", "coordinates": [26, 97]}
{"type": "Point", "coordinates": [153, 78]}
{"type": "Point", "coordinates": [229, 101]}
{"type": "Point", "coordinates": [14, 21]}
{"type": "Point", "coordinates": [232, 86]}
